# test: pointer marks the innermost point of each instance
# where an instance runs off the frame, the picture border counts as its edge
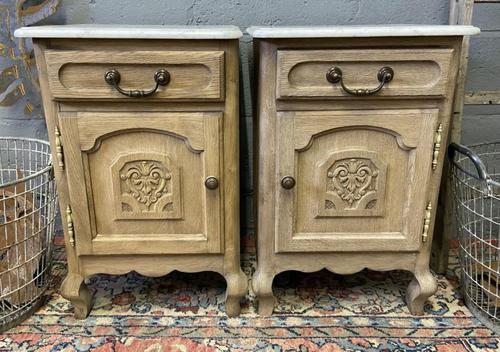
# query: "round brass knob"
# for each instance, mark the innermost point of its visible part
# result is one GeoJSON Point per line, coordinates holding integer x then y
{"type": "Point", "coordinates": [211, 182]}
{"type": "Point", "coordinates": [288, 182]}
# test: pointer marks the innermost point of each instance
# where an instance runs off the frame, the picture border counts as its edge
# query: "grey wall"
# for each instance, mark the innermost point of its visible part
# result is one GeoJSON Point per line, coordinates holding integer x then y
{"type": "Point", "coordinates": [479, 124]}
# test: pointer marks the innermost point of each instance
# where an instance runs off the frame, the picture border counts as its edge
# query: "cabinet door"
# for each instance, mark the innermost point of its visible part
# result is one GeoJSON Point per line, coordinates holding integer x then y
{"type": "Point", "coordinates": [137, 181]}
{"type": "Point", "coordinates": [361, 179]}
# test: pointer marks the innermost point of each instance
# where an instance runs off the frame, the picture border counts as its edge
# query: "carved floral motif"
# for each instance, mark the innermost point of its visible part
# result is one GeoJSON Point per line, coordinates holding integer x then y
{"type": "Point", "coordinates": [351, 179]}
{"type": "Point", "coordinates": [146, 181]}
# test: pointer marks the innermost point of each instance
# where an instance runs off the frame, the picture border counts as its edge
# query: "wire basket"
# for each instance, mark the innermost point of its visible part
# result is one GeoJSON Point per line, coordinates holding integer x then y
{"type": "Point", "coordinates": [476, 192]}
{"type": "Point", "coordinates": [27, 224]}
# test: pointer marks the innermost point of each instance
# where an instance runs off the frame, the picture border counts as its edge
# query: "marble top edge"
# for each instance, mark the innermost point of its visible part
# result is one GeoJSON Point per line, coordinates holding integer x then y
{"type": "Point", "coordinates": [399, 30]}
{"type": "Point", "coordinates": [129, 32]}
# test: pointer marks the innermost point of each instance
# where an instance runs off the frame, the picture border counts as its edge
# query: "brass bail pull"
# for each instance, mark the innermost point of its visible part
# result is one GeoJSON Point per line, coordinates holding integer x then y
{"type": "Point", "coordinates": [113, 77]}
{"type": "Point", "coordinates": [385, 75]}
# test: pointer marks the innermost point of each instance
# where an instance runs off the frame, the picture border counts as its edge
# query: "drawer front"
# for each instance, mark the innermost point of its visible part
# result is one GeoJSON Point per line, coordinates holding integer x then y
{"type": "Point", "coordinates": [194, 75]}
{"type": "Point", "coordinates": [417, 72]}
{"type": "Point", "coordinates": [361, 179]}
{"type": "Point", "coordinates": [139, 185]}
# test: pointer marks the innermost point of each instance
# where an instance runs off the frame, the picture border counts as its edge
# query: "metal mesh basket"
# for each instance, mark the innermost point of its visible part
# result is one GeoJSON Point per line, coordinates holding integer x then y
{"type": "Point", "coordinates": [476, 190]}
{"type": "Point", "coordinates": [27, 216]}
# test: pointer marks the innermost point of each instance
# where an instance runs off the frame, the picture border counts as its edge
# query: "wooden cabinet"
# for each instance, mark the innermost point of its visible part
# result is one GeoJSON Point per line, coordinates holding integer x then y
{"type": "Point", "coordinates": [144, 130]}
{"type": "Point", "coordinates": [351, 139]}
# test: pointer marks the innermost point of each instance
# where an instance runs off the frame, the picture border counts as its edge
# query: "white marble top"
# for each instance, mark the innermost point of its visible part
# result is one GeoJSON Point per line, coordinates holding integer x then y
{"type": "Point", "coordinates": [130, 32]}
{"type": "Point", "coordinates": [399, 30]}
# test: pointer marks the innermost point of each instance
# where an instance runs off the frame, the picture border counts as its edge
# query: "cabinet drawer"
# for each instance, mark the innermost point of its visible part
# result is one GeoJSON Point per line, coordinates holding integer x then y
{"type": "Point", "coordinates": [194, 75]}
{"type": "Point", "coordinates": [417, 72]}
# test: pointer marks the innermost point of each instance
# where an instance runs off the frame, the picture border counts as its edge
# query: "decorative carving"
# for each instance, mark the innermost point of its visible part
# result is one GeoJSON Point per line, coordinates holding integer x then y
{"type": "Point", "coordinates": [351, 183]}
{"type": "Point", "coordinates": [352, 179]}
{"type": "Point", "coordinates": [168, 207]}
{"type": "Point", "coordinates": [126, 208]}
{"type": "Point", "coordinates": [146, 181]}
{"type": "Point", "coordinates": [146, 186]}
{"type": "Point", "coordinates": [329, 204]}
{"type": "Point", "coordinates": [371, 204]}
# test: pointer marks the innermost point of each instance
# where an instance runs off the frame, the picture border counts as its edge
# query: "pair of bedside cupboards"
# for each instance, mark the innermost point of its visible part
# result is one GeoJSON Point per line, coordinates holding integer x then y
{"type": "Point", "coordinates": [351, 135]}
{"type": "Point", "coordinates": [143, 125]}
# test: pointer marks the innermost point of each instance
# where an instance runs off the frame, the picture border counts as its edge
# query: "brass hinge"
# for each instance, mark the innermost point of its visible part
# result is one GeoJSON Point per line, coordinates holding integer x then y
{"type": "Point", "coordinates": [437, 146]}
{"type": "Point", "coordinates": [71, 229]}
{"type": "Point", "coordinates": [427, 222]}
{"type": "Point", "coordinates": [59, 149]}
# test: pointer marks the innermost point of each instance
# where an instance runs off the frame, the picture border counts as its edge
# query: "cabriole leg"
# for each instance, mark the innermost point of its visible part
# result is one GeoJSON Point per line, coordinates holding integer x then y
{"type": "Point", "coordinates": [237, 285]}
{"type": "Point", "coordinates": [422, 286]}
{"type": "Point", "coordinates": [262, 284]}
{"type": "Point", "coordinates": [75, 290]}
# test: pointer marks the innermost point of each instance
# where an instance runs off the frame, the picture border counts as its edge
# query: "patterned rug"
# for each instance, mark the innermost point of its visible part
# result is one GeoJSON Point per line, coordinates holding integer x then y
{"type": "Point", "coordinates": [316, 312]}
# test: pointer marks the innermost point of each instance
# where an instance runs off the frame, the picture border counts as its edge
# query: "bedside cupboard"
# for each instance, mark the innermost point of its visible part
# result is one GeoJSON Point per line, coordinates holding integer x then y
{"type": "Point", "coordinates": [143, 124]}
{"type": "Point", "coordinates": [352, 124]}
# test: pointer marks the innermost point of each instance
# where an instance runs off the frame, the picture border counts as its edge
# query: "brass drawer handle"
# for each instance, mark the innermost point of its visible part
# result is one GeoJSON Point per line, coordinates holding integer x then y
{"type": "Point", "coordinates": [161, 77]}
{"type": "Point", "coordinates": [212, 182]}
{"type": "Point", "coordinates": [288, 182]}
{"type": "Point", "coordinates": [385, 75]}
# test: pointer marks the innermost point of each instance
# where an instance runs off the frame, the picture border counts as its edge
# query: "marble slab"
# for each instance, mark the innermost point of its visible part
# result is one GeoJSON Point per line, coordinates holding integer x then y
{"type": "Point", "coordinates": [130, 32]}
{"type": "Point", "coordinates": [399, 30]}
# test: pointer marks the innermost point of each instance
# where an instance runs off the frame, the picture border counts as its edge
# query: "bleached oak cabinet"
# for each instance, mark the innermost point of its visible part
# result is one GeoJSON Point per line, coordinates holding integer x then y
{"type": "Point", "coordinates": [143, 124]}
{"type": "Point", "coordinates": [351, 131]}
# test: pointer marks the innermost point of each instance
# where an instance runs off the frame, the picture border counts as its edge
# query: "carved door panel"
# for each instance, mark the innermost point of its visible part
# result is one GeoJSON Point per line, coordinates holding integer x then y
{"type": "Point", "coordinates": [361, 179]}
{"type": "Point", "coordinates": [137, 181]}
